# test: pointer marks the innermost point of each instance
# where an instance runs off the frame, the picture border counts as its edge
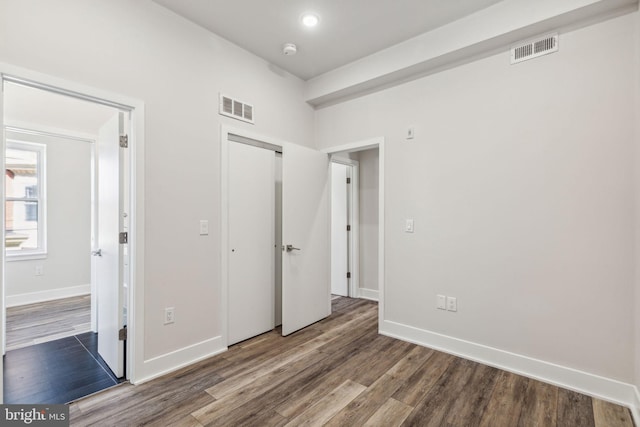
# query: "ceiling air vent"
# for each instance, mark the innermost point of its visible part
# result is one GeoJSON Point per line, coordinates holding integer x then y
{"type": "Point", "coordinates": [534, 48]}
{"type": "Point", "coordinates": [236, 109]}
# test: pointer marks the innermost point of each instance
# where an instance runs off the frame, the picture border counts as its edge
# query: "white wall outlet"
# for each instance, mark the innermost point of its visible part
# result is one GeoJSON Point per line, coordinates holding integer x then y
{"type": "Point", "coordinates": [452, 304]}
{"type": "Point", "coordinates": [410, 133]}
{"type": "Point", "coordinates": [408, 226]}
{"type": "Point", "coordinates": [169, 315]}
{"type": "Point", "coordinates": [39, 270]}
{"type": "Point", "coordinates": [441, 302]}
{"type": "Point", "coordinates": [204, 227]}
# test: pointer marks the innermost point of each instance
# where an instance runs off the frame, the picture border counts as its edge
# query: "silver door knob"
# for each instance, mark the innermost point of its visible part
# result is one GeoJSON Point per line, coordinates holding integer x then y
{"type": "Point", "coordinates": [291, 248]}
{"type": "Point", "coordinates": [97, 252]}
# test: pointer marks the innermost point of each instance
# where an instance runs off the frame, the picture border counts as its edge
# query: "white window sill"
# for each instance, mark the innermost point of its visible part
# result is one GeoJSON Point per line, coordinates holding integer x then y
{"type": "Point", "coordinates": [25, 257]}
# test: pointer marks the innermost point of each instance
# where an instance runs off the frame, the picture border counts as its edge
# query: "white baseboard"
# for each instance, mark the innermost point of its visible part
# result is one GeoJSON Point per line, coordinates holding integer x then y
{"type": "Point", "coordinates": [569, 378]}
{"type": "Point", "coordinates": [178, 359]}
{"type": "Point", "coordinates": [365, 293]}
{"type": "Point", "coordinates": [635, 409]}
{"type": "Point", "coordinates": [53, 294]}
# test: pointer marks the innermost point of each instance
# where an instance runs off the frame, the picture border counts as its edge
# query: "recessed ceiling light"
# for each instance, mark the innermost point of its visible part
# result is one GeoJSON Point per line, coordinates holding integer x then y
{"type": "Point", "coordinates": [310, 20]}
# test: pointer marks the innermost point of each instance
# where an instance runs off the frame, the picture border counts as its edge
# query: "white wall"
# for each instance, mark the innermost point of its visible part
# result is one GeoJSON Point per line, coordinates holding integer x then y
{"type": "Point", "coordinates": [141, 50]}
{"type": "Point", "coordinates": [67, 263]}
{"type": "Point", "coordinates": [368, 196]}
{"type": "Point", "coordinates": [521, 183]}
{"type": "Point", "coordinates": [637, 193]}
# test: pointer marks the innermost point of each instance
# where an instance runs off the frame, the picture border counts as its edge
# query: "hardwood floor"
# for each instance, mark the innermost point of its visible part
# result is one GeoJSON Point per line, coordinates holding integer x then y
{"type": "Point", "coordinates": [340, 372]}
{"type": "Point", "coordinates": [56, 371]}
{"type": "Point", "coordinates": [46, 321]}
{"type": "Point", "coordinates": [52, 356]}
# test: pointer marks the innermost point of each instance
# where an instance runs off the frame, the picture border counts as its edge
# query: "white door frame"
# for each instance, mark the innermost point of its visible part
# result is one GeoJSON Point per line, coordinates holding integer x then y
{"type": "Point", "coordinates": [353, 203]}
{"type": "Point", "coordinates": [135, 319]}
{"type": "Point", "coordinates": [362, 146]}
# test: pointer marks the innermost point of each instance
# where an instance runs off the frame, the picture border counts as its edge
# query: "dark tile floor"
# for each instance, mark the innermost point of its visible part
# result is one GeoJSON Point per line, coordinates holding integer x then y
{"type": "Point", "coordinates": [58, 371]}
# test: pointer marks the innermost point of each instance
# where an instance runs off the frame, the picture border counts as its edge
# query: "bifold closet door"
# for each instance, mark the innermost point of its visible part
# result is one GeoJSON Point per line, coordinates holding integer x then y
{"type": "Point", "coordinates": [251, 294]}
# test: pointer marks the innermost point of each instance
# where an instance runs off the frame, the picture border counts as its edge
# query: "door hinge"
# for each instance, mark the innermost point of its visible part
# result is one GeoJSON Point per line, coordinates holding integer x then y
{"type": "Point", "coordinates": [348, 228]}
{"type": "Point", "coordinates": [348, 180]}
{"type": "Point", "coordinates": [124, 141]}
{"type": "Point", "coordinates": [122, 334]}
{"type": "Point", "coordinates": [349, 275]}
{"type": "Point", "coordinates": [124, 237]}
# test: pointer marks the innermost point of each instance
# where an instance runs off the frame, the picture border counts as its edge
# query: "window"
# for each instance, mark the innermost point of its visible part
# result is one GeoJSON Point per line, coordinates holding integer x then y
{"type": "Point", "coordinates": [31, 208]}
{"type": "Point", "coordinates": [24, 200]}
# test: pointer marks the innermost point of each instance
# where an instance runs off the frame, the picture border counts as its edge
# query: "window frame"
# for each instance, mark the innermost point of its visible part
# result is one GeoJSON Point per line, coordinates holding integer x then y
{"type": "Point", "coordinates": [41, 178]}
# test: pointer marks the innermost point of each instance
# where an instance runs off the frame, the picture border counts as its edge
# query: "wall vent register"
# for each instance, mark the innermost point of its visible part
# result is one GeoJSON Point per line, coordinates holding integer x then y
{"type": "Point", "coordinates": [236, 109]}
{"type": "Point", "coordinates": [534, 48]}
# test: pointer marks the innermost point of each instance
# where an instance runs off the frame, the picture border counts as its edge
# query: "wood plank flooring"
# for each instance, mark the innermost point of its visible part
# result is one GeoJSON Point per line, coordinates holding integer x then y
{"type": "Point", "coordinates": [47, 321]}
{"type": "Point", "coordinates": [340, 372]}
{"type": "Point", "coordinates": [56, 371]}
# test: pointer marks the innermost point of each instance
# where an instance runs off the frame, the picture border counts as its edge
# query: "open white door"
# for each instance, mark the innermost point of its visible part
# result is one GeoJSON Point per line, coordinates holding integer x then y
{"type": "Point", "coordinates": [306, 263]}
{"type": "Point", "coordinates": [109, 252]}
{"type": "Point", "coordinates": [339, 233]}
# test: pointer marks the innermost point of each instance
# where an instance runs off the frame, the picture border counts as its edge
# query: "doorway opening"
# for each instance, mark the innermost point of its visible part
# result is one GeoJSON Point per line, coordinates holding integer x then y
{"type": "Point", "coordinates": [355, 223]}
{"type": "Point", "coordinates": [66, 197]}
{"type": "Point", "coordinates": [370, 155]}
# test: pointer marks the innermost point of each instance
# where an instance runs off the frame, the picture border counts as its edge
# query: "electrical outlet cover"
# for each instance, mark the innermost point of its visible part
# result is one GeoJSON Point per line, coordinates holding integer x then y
{"type": "Point", "coordinates": [452, 304]}
{"type": "Point", "coordinates": [169, 315]}
{"type": "Point", "coordinates": [410, 133]}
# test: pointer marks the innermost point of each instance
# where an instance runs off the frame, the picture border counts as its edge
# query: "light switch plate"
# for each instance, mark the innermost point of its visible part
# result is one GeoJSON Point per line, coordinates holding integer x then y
{"type": "Point", "coordinates": [408, 226]}
{"type": "Point", "coordinates": [204, 227]}
{"type": "Point", "coordinates": [441, 302]}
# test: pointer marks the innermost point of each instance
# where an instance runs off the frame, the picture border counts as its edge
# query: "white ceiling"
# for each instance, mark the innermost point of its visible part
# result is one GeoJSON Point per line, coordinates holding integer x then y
{"type": "Point", "coordinates": [348, 29]}
{"type": "Point", "coordinates": [29, 107]}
